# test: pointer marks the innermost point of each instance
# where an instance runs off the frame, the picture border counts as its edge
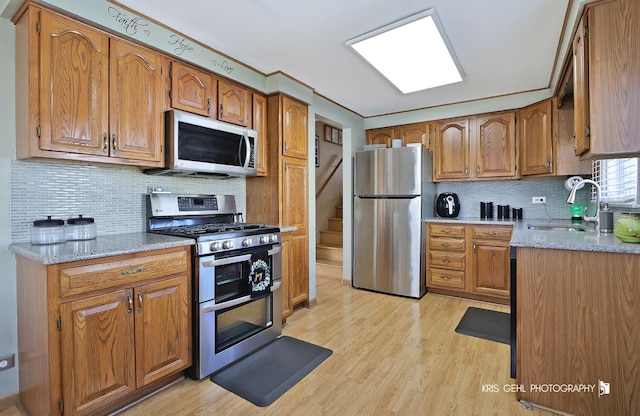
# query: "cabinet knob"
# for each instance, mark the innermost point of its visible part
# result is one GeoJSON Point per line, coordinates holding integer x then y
{"type": "Point", "coordinates": [445, 277]}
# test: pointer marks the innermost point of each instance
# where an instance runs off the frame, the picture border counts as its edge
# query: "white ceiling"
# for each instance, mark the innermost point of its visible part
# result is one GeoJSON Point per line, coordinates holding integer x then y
{"type": "Point", "coordinates": [503, 46]}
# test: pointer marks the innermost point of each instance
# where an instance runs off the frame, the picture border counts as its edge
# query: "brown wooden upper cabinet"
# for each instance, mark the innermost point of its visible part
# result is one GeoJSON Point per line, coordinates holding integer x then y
{"type": "Point", "coordinates": [295, 128]}
{"type": "Point", "coordinates": [536, 153]}
{"type": "Point", "coordinates": [478, 147]}
{"type": "Point", "coordinates": [451, 153]}
{"type": "Point", "coordinates": [260, 125]}
{"type": "Point", "coordinates": [416, 133]}
{"type": "Point", "coordinates": [545, 131]}
{"type": "Point", "coordinates": [84, 95]}
{"type": "Point", "coordinates": [234, 103]}
{"type": "Point", "coordinates": [606, 61]}
{"type": "Point", "coordinates": [382, 135]}
{"type": "Point", "coordinates": [193, 89]}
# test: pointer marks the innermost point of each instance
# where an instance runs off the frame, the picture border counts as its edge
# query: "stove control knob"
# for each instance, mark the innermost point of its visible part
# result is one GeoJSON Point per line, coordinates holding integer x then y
{"type": "Point", "coordinates": [227, 245]}
{"type": "Point", "coordinates": [273, 238]}
{"type": "Point", "coordinates": [247, 242]}
{"type": "Point", "coordinates": [264, 239]}
{"type": "Point", "coordinates": [216, 246]}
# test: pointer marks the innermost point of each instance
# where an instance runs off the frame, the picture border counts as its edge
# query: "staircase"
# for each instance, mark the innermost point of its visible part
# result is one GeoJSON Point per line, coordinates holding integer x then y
{"type": "Point", "coordinates": [329, 249]}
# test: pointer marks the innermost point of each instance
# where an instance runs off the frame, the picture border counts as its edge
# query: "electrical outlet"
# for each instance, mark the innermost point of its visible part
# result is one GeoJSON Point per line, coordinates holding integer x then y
{"type": "Point", "coordinates": [538, 199]}
{"type": "Point", "coordinates": [8, 361]}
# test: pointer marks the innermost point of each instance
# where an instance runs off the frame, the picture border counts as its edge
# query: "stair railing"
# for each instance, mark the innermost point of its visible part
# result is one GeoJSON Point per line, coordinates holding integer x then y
{"type": "Point", "coordinates": [333, 172]}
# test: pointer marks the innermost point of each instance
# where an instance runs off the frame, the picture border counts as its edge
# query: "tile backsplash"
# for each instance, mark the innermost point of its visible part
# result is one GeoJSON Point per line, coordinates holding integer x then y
{"type": "Point", "coordinates": [114, 196]}
{"type": "Point", "coordinates": [517, 194]}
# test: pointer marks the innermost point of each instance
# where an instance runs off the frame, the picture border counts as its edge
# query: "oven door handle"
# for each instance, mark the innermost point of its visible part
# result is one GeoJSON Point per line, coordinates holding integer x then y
{"type": "Point", "coordinates": [235, 302]}
{"type": "Point", "coordinates": [274, 250]}
{"type": "Point", "coordinates": [227, 260]}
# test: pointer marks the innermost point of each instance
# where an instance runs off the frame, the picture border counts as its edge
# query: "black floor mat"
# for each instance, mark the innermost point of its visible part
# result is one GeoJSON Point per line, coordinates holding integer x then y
{"type": "Point", "coordinates": [486, 324]}
{"type": "Point", "coordinates": [266, 374]}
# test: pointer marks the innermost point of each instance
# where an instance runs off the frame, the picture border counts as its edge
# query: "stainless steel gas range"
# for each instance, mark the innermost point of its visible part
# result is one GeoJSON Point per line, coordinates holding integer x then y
{"type": "Point", "coordinates": [237, 268]}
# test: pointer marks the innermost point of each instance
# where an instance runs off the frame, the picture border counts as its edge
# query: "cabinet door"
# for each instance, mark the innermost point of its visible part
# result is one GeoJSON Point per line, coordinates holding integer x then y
{"type": "Point", "coordinates": [415, 133]}
{"type": "Point", "coordinates": [287, 303]}
{"type": "Point", "coordinates": [74, 87]}
{"type": "Point", "coordinates": [294, 193]}
{"type": "Point", "coordinates": [192, 89]}
{"type": "Point", "coordinates": [536, 151]}
{"type": "Point", "coordinates": [381, 136]}
{"type": "Point", "coordinates": [491, 268]}
{"type": "Point", "coordinates": [581, 87]}
{"type": "Point", "coordinates": [299, 271]}
{"type": "Point", "coordinates": [495, 144]}
{"type": "Point", "coordinates": [163, 330]}
{"type": "Point", "coordinates": [234, 103]}
{"type": "Point", "coordinates": [260, 125]}
{"type": "Point", "coordinates": [294, 129]}
{"type": "Point", "coordinates": [98, 365]}
{"type": "Point", "coordinates": [451, 153]}
{"type": "Point", "coordinates": [137, 103]}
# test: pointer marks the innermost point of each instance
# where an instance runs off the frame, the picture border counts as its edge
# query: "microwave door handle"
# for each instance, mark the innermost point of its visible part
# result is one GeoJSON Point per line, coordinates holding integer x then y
{"type": "Point", "coordinates": [247, 143]}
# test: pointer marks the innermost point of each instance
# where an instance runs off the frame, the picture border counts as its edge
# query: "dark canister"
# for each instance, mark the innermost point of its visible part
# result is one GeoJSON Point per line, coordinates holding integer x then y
{"type": "Point", "coordinates": [516, 213]}
{"type": "Point", "coordinates": [486, 209]}
{"type": "Point", "coordinates": [503, 212]}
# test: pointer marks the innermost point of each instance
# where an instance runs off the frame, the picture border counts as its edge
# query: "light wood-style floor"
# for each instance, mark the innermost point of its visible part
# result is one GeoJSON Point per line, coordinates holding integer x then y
{"type": "Point", "coordinates": [391, 356]}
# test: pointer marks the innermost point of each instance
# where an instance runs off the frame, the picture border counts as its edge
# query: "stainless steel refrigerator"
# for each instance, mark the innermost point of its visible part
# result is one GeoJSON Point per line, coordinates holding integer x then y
{"type": "Point", "coordinates": [393, 192]}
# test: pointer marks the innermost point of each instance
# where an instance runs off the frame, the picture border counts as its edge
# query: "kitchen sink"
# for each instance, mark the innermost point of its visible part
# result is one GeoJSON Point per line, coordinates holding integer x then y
{"type": "Point", "coordinates": [558, 227]}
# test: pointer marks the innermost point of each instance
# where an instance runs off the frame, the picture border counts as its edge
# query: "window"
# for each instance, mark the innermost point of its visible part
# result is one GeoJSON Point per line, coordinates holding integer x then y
{"type": "Point", "coordinates": [618, 180]}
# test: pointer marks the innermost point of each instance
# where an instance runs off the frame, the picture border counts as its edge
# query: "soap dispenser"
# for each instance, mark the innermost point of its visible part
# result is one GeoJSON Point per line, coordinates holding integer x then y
{"type": "Point", "coordinates": [606, 219]}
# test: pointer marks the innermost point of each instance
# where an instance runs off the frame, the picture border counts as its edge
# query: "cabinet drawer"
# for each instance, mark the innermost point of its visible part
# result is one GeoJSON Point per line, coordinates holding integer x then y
{"type": "Point", "coordinates": [443, 243]}
{"type": "Point", "coordinates": [446, 230]}
{"type": "Point", "coordinates": [446, 260]}
{"type": "Point", "coordinates": [120, 271]}
{"type": "Point", "coordinates": [446, 278]}
{"type": "Point", "coordinates": [502, 233]}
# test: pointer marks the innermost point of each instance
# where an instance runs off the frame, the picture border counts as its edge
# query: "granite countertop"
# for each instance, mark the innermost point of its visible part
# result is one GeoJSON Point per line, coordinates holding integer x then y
{"type": "Point", "coordinates": [522, 236]}
{"type": "Point", "coordinates": [102, 246]}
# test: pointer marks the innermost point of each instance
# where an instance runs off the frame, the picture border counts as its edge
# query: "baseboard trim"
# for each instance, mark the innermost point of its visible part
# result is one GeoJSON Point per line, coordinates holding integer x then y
{"type": "Point", "coordinates": [10, 400]}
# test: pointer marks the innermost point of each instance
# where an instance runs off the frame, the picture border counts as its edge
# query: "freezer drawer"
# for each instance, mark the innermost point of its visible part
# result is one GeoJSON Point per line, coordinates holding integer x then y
{"type": "Point", "coordinates": [389, 242]}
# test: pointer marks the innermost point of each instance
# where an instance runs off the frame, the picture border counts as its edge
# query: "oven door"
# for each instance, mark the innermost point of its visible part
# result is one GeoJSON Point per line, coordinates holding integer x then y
{"type": "Point", "coordinates": [222, 278]}
{"type": "Point", "coordinates": [230, 330]}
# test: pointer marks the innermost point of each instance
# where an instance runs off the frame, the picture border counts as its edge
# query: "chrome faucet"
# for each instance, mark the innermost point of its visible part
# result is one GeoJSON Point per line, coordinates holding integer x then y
{"type": "Point", "coordinates": [572, 198]}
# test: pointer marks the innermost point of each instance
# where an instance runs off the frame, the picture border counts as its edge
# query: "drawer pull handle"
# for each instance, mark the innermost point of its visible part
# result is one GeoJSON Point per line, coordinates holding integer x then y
{"type": "Point", "coordinates": [134, 271]}
{"type": "Point", "coordinates": [445, 245]}
{"type": "Point", "coordinates": [445, 277]}
{"type": "Point", "coordinates": [447, 231]}
{"type": "Point", "coordinates": [130, 311]}
{"type": "Point", "coordinates": [139, 302]}
{"type": "Point", "coordinates": [491, 233]}
{"type": "Point", "coordinates": [446, 261]}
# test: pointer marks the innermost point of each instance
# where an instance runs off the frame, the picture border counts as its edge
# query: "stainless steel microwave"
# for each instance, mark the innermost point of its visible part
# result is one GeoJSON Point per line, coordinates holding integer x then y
{"type": "Point", "coordinates": [198, 145]}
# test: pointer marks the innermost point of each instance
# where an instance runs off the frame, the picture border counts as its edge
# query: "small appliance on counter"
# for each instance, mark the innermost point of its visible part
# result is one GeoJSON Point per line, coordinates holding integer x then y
{"type": "Point", "coordinates": [448, 205]}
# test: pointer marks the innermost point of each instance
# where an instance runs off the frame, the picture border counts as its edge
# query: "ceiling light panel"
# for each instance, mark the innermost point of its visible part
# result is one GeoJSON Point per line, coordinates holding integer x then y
{"type": "Point", "coordinates": [413, 53]}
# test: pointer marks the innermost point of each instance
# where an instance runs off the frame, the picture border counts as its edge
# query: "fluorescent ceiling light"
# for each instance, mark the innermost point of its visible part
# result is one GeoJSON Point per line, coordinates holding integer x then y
{"type": "Point", "coordinates": [412, 53]}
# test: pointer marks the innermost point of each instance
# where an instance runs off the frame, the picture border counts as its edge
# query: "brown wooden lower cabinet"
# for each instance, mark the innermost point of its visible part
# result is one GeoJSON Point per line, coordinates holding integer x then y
{"type": "Point", "coordinates": [468, 260]}
{"type": "Point", "coordinates": [295, 282]}
{"type": "Point", "coordinates": [94, 335]}
{"type": "Point", "coordinates": [577, 324]}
